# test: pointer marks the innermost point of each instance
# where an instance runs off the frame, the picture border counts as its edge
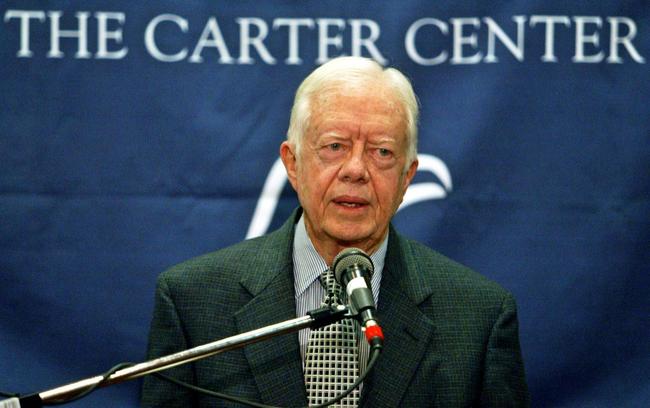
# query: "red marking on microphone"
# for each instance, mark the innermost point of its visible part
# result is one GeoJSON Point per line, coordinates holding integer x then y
{"type": "Point", "coordinates": [374, 331]}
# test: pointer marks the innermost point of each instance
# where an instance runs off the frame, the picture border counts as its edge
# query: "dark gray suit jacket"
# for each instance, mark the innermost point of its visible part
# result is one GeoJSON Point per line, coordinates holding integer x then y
{"type": "Point", "coordinates": [451, 334]}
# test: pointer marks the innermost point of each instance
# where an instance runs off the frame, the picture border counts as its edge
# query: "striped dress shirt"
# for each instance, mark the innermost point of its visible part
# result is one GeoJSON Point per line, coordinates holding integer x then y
{"type": "Point", "coordinates": [307, 267]}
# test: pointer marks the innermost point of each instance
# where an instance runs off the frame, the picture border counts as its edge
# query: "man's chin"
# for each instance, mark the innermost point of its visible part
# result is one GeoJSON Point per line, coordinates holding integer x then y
{"type": "Point", "coordinates": [348, 236]}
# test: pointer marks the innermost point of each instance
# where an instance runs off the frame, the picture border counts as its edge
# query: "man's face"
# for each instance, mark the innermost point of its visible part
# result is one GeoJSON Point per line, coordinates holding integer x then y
{"type": "Point", "coordinates": [350, 175]}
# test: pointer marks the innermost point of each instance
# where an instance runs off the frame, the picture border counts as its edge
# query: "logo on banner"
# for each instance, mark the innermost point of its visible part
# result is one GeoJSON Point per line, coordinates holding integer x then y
{"type": "Point", "coordinates": [427, 41]}
{"type": "Point", "coordinates": [416, 192]}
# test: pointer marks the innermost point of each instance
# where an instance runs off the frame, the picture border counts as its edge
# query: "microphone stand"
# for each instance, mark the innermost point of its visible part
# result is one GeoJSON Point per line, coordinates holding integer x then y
{"type": "Point", "coordinates": [314, 319]}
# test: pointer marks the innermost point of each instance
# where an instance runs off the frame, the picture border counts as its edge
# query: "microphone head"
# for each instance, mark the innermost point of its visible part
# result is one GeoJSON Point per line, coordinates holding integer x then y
{"type": "Point", "coordinates": [349, 257]}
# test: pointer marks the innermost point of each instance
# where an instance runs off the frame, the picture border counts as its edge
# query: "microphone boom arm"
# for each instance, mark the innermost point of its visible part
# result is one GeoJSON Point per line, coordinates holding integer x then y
{"type": "Point", "coordinates": [314, 319]}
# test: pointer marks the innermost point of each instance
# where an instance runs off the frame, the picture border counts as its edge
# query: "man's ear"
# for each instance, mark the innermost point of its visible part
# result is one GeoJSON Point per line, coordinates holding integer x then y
{"type": "Point", "coordinates": [410, 173]}
{"type": "Point", "coordinates": [289, 159]}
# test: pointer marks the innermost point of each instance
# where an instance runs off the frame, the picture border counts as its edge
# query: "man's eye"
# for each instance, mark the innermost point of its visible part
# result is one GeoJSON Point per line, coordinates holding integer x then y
{"type": "Point", "coordinates": [384, 152]}
{"type": "Point", "coordinates": [335, 146]}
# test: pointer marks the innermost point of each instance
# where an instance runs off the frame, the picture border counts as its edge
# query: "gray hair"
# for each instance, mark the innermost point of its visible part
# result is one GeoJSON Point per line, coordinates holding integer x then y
{"type": "Point", "coordinates": [344, 71]}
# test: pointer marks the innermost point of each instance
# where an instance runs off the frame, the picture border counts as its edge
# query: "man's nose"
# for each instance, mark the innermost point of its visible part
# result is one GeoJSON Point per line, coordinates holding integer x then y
{"type": "Point", "coordinates": [355, 167]}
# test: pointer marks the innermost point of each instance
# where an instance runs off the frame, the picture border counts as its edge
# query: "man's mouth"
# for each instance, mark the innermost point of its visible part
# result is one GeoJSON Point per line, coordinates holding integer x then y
{"type": "Point", "coordinates": [350, 202]}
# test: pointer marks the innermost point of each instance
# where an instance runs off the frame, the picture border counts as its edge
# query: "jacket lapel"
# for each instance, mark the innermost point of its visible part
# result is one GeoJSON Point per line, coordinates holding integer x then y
{"type": "Point", "coordinates": [275, 363]}
{"type": "Point", "coordinates": [406, 329]}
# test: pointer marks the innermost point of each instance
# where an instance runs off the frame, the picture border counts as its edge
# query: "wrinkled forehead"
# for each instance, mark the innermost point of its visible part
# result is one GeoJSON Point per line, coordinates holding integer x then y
{"type": "Point", "coordinates": [360, 94]}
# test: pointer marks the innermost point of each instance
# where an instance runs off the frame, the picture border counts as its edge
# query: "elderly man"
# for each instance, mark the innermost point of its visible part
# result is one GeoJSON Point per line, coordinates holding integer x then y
{"type": "Point", "coordinates": [451, 335]}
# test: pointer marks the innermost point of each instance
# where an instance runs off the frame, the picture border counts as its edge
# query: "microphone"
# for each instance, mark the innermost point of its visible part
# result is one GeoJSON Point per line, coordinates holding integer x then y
{"type": "Point", "coordinates": [352, 270]}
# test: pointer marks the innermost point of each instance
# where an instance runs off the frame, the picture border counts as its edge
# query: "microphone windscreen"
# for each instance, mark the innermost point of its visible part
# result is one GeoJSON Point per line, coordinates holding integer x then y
{"type": "Point", "coordinates": [349, 257]}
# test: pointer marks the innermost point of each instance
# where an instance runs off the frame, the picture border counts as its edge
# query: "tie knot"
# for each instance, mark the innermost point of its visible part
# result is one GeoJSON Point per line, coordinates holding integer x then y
{"type": "Point", "coordinates": [334, 294]}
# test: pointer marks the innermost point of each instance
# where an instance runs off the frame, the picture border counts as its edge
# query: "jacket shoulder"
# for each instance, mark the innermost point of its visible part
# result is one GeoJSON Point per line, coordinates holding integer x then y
{"type": "Point", "coordinates": [450, 281]}
{"type": "Point", "coordinates": [226, 265]}
{"type": "Point", "coordinates": [452, 269]}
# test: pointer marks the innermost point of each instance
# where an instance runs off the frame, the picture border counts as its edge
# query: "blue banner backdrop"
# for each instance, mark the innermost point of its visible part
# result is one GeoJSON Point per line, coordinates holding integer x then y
{"type": "Point", "coordinates": [136, 135]}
